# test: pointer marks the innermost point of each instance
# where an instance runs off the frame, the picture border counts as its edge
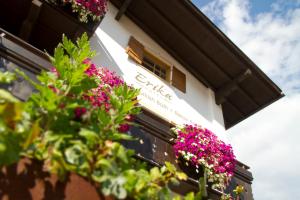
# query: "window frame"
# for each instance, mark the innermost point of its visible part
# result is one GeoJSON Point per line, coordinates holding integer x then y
{"type": "Point", "coordinates": [137, 52]}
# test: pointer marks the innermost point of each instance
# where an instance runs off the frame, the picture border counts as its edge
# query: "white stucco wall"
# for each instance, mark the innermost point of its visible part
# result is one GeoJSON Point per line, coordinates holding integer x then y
{"type": "Point", "coordinates": [197, 105]}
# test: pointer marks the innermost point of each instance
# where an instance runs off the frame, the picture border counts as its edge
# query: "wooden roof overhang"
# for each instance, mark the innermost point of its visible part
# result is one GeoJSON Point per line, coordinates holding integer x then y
{"type": "Point", "coordinates": [191, 38]}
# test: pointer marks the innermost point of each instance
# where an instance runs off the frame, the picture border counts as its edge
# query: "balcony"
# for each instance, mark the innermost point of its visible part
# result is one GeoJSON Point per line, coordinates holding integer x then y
{"type": "Point", "coordinates": [42, 24]}
{"type": "Point", "coordinates": [156, 145]}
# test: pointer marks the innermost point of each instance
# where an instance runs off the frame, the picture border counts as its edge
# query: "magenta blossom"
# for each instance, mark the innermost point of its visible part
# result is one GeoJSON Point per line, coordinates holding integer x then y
{"type": "Point", "coordinates": [124, 128]}
{"type": "Point", "coordinates": [54, 71]}
{"type": "Point", "coordinates": [97, 7]}
{"type": "Point", "coordinates": [200, 146]}
{"type": "Point", "coordinates": [79, 111]}
{"type": "Point", "coordinates": [98, 97]}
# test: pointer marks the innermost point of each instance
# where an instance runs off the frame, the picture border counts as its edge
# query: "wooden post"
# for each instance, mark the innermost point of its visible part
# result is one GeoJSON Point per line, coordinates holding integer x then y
{"type": "Point", "coordinates": [123, 9]}
{"type": "Point", "coordinates": [31, 19]}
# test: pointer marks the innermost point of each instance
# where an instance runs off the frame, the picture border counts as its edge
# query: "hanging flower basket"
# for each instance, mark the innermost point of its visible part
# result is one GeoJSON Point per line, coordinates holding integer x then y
{"type": "Point", "coordinates": [42, 23]}
{"type": "Point", "coordinates": [199, 148]}
{"type": "Point", "coordinates": [56, 19]}
{"type": "Point", "coordinates": [85, 10]}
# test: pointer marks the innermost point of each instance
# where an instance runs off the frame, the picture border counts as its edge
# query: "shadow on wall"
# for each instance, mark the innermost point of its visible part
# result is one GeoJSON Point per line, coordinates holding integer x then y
{"type": "Point", "coordinates": [103, 56]}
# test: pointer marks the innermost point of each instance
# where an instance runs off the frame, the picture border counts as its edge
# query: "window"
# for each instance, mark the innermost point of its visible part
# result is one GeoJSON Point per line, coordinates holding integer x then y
{"type": "Point", "coordinates": [156, 66]}
{"type": "Point", "coordinates": [136, 51]}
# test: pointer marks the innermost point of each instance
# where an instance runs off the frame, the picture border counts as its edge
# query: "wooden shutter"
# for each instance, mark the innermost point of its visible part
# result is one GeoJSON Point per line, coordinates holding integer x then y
{"type": "Point", "coordinates": [135, 50]}
{"type": "Point", "coordinates": [178, 79]}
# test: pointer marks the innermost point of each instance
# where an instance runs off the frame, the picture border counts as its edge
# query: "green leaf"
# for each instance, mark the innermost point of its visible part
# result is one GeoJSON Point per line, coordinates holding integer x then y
{"type": "Point", "coordinates": [171, 168]}
{"type": "Point", "coordinates": [121, 136]}
{"type": "Point", "coordinates": [103, 163]}
{"type": "Point", "coordinates": [118, 187]}
{"type": "Point", "coordinates": [174, 181]}
{"type": "Point", "coordinates": [7, 77]}
{"type": "Point", "coordinates": [190, 196]}
{"type": "Point", "coordinates": [10, 148]}
{"type": "Point", "coordinates": [74, 154]}
{"type": "Point", "coordinates": [164, 194]}
{"type": "Point", "coordinates": [181, 176]}
{"type": "Point", "coordinates": [7, 97]}
{"type": "Point", "coordinates": [155, 173]}
{"type": "Point", "coordinates": [121, 153]}
{"type": "Point", "coordinates": [90, 136]}
{"type": "Point", "coordinates": [33, 134]}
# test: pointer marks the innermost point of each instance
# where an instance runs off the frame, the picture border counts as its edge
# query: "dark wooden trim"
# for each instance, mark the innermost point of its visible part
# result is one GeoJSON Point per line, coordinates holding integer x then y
{"type": "Point", "coordinates": [22, 54]}
{"type": "Point", "coordinates": [190, 40]}
{"type": "Point", "coordinates": [230, 45]}
{"type": "Point", "coordinates": [24, 44]}
{"type": "Point", "coordinates": [230, 86]}
{"type": "Point", "coordinates": [123, 9]}
{"type": "Point", "coordinates": [31, 19]}
{"type": "Point", "coordinates": [227, 126]}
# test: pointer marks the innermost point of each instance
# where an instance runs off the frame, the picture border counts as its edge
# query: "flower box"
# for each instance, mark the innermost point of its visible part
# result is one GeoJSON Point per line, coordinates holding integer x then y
{"type": "Point", "coordinates": [41, 23]}
{"type": "Point", "coordinates": [27, 180]}
{"type": "Point", "coordinates": [53, 21]}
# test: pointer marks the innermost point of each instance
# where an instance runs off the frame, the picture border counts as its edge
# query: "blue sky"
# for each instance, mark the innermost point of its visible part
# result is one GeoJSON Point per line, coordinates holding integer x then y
{"type": "Point", "coordinates": [268, 31]}
{"type": "Point", "coordinates": [256, 6]}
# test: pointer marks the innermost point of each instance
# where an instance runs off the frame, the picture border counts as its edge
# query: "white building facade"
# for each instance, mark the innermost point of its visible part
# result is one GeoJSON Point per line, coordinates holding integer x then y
{"type": "Point", "coordinates": [194, 106]}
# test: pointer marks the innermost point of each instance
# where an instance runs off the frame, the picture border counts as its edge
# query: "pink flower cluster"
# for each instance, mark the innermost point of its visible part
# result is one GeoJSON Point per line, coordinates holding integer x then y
{"type": "Point", "coordinates": [200, 146]}
{"type": "Point", "coordinates": [105, 75]}
{"type": "Point", "coordinates": [99, 96]}
{"type": "Point", "coordinates": [97, 7]}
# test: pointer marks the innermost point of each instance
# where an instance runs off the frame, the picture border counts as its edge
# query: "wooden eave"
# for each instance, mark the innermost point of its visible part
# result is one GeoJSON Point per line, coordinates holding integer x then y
{"type": "Point", "coordinates": [206, 52]}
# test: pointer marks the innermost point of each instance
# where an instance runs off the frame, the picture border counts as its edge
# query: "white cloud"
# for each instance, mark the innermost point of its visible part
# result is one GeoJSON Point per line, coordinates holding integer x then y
{"type": "Point", "coordinates": [268, 141]}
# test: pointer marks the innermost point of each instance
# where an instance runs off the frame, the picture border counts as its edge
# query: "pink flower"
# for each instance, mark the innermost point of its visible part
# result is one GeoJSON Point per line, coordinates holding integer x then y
{"type": "Point", "coordinates": [54, 89]}
{"type": "Point", "coordinates": [129, 118]}
{"type": "Point", "coordinates": [54, 71]}
{"type": "Point", "coordinates": [123, 128]}
{"type": "Point", "coordinates": [201, 146]}
{"type": "Point", "coordinates": [79, 111]}
{"type": "Point", "coordinates": [92, 70]}
{"type": "Point", "coordinates": [97, 7]}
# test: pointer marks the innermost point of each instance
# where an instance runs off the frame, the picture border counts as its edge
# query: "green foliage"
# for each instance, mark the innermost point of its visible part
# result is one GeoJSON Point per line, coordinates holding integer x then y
{"type": "Point", "coordinates": [13, 128]}
{"type": "Point", "coordinates": [7, 77]}
{"type": "Point", "coordinates": [46, 128]}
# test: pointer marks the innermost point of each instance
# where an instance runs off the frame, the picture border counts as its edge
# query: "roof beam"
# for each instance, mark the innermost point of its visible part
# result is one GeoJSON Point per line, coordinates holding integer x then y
{"type": "Point", "coordinates": [123, 9]}
{"type": "Point", "coordinates": [230, 87]}
{"type": "Point", "coordinates": [29, 22]}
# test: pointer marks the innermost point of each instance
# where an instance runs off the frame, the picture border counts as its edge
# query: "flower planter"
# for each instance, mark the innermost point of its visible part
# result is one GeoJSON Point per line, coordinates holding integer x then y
{"type": "Point", "coordinates": [27, 180]}
{"type": "Point", "coordinates": [53, 21]}
{"type": "Point", "coordinates": [42, 24]}
{"type": "Point", "coordinates": [190, 170]}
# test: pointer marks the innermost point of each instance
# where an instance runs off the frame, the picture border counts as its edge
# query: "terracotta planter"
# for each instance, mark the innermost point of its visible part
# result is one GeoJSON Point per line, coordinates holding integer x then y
{"type": "Point", "coordinates": [27, 180]}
